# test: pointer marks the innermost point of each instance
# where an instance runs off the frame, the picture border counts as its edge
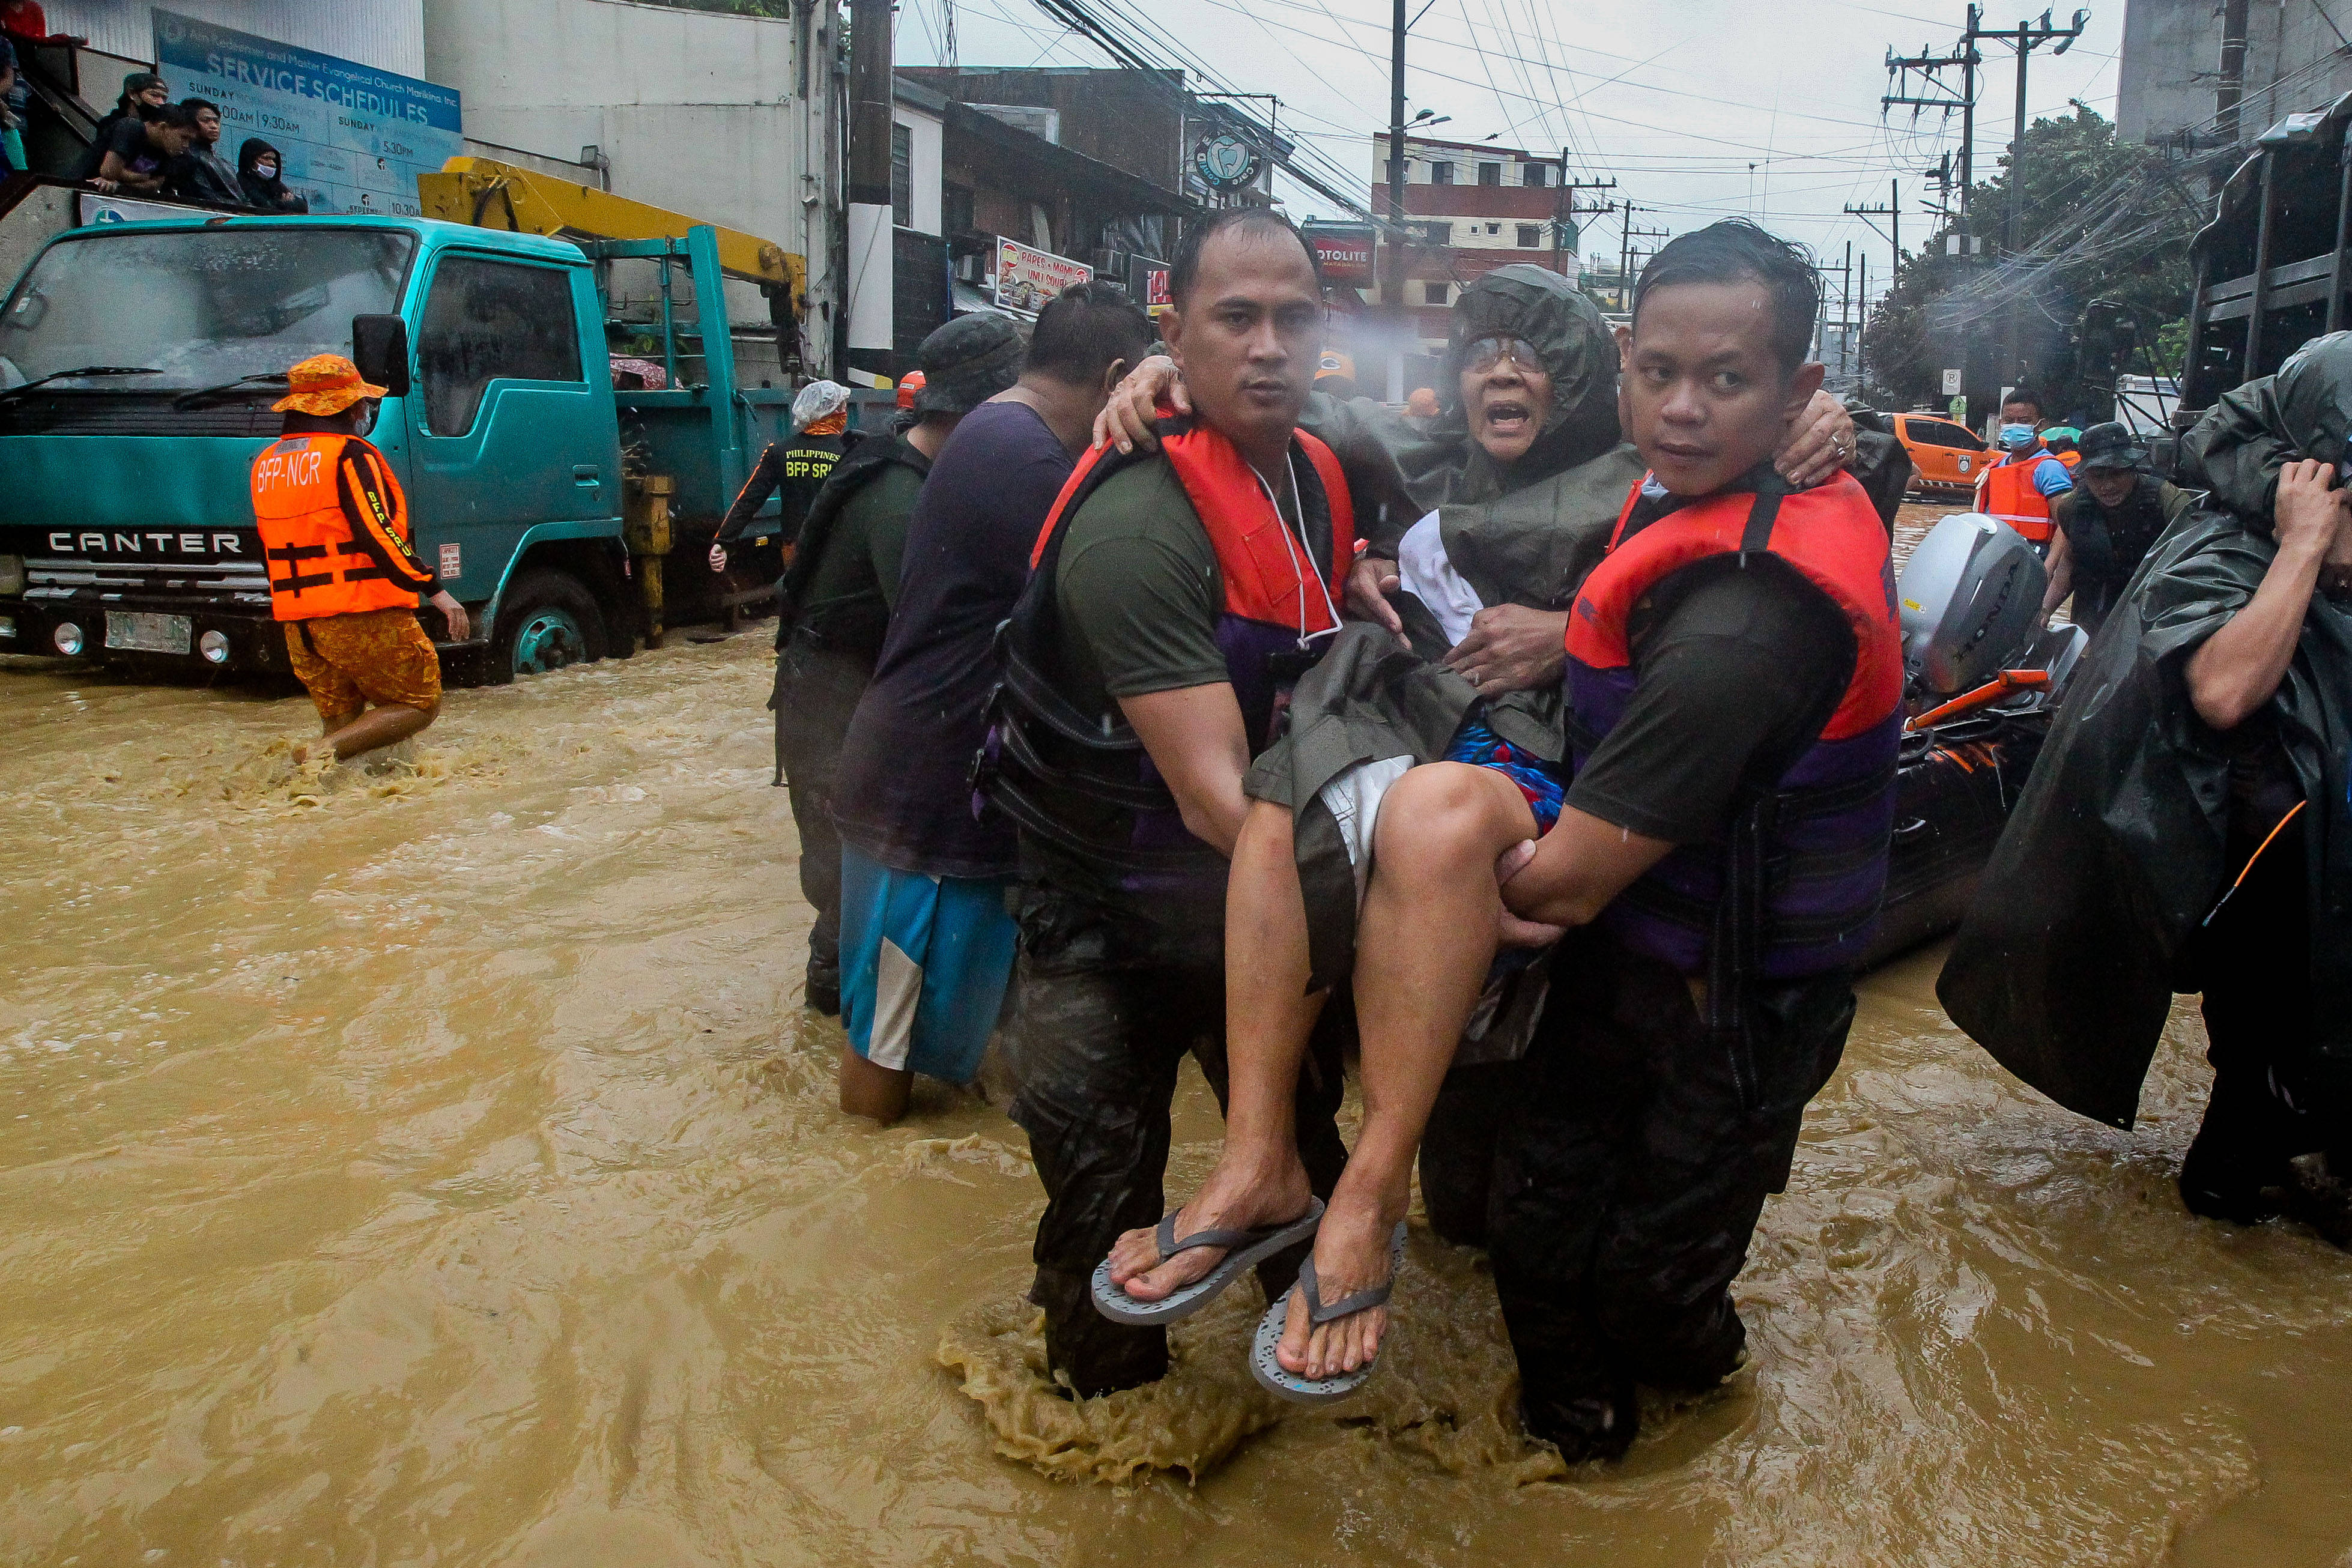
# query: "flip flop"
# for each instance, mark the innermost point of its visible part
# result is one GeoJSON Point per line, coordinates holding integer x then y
{"type": "Point", "coordinates": [1276, 1378]}
{"type": "Point", "coordinates": [1248, 1248]}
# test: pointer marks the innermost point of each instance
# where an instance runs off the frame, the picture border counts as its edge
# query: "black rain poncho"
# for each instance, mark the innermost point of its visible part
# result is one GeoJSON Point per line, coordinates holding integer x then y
{"type": "Point", "coordinates": [2064, 968]}
{"type": "Point", "coordinates": [1534, 527]}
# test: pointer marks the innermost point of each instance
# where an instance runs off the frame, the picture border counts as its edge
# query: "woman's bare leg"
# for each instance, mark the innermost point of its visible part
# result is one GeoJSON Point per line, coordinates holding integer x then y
{"type": "Point", "coordinates": [1423, 950]}
{"type": "Point", "coordinates": [1268, 1018]}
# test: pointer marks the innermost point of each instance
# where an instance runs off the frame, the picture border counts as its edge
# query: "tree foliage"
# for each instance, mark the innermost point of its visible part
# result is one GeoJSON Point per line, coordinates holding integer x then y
{"type": "Point", "coordinates": [2101, 222]}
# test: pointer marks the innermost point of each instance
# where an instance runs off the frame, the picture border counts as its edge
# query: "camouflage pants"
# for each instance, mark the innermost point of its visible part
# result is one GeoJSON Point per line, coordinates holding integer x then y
{"type": "Point", "coordinates": [1096, 1049]}
{"type": "Point", "coordinates": [1615, 1174]}
{"type": "Point", "coordinates": [816, 692]}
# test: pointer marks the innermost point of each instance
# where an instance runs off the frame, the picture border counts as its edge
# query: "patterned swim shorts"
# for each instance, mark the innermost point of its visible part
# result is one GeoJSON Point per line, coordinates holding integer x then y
{"type": "Point", "coordinates": [1544, 784]}
{"type": "Point", "coordinates": [372, 656]}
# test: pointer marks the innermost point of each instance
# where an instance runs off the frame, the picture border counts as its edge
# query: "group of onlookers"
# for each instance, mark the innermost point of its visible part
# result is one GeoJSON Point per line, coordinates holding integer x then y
{"type": "Point", "coordinates": [148, 145]}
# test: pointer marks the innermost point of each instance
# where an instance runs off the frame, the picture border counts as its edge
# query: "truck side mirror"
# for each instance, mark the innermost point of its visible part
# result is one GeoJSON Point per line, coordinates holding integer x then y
{"type": "Point", "coordinates": [380, 350]}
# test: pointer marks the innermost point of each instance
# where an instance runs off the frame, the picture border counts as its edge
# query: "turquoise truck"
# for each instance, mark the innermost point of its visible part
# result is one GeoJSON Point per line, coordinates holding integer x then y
{"type": "Point", "coordinates": [138, 360]}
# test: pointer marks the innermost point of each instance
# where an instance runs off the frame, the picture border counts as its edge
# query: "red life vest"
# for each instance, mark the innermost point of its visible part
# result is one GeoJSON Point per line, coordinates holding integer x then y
{"type": "Point", "coordinates": [1819, 838]}
{"type": "Point", "coordinates": [319, 564]}
{"type": "Point", "coordinates": [1257, 555]}
{"type": "Point", "coordinates": [1091, 807]}
{"type": "Point", "coordinates": [2006, 491]}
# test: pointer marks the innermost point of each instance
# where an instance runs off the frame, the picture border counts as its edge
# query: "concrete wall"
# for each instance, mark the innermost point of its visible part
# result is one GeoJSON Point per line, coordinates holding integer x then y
{"type": "Point", "coordinates": [386, 33]}
{"type": "Point", "coordinates": [2172, 53]}
{"type": "Point", "coordinates": [697, 111]}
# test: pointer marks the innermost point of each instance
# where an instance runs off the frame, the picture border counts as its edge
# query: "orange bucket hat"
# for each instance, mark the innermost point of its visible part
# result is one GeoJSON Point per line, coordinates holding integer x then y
{"type": "Point", "coordinates": [323, 385]}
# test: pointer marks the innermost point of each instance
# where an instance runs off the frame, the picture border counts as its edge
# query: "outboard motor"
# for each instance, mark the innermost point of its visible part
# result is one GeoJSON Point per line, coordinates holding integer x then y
{"type": "Point", "coordinates": [1971, 600]}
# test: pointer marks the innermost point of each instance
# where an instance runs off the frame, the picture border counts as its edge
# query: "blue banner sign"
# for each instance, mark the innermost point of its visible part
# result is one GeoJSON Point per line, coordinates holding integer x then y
{"type": "Point", "coordinates": [354, 138]}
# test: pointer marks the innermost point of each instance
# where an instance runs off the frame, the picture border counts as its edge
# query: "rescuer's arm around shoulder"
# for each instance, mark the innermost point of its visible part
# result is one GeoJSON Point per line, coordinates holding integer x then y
{"type": "Point", "coordinates": [362, 483]}
{"type": "Point", "coordinates": [2239, 666]}
{"type": "Point", "coordinates": [1140, 592]}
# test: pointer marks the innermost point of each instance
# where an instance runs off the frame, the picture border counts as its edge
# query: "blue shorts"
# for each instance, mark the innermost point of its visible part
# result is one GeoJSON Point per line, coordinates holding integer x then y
{"type": "Point", "coordinates": [925, 961]}
{"type": "Point", "coordinates": [1545, 784]}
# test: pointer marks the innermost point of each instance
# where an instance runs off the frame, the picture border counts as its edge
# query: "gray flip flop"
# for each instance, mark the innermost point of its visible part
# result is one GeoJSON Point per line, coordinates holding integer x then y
{"type": "Point", "coordinates": [1248, 1248]}
{"type": "Point", "coordinates": [1276, 1378]}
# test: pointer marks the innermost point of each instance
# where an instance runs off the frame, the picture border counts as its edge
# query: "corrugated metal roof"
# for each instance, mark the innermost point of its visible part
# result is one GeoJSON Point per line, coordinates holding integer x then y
{"type": "Point", "coordinates": [386, 33]}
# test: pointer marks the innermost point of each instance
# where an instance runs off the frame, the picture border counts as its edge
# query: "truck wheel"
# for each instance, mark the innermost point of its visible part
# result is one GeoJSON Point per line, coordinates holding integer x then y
{"type": "Point", "coordinates": [546, 620]}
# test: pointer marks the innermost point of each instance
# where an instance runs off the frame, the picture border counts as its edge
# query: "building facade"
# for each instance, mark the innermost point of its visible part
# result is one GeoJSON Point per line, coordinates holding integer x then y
{"type": "Point", "coordinates": [2173, 81]}
{"type": "Point", "coordinates": [1471, 207]}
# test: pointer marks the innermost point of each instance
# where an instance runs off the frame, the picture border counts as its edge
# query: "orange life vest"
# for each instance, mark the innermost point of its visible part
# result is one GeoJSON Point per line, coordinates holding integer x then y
{"type": "Point", "coordinates": [1821, 848]}
{"type": "Point", "coordinates": [1079, 782]}
{"type": "Point", "coordinates": [318, 564]}
{"type": "Point", "coordinates": [2006, 491]}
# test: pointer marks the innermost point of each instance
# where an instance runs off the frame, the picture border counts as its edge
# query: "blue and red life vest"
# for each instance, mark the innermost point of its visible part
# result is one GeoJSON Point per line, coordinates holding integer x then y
{"type": "Point", "coordinates": [1081, 781]}
{"type": "Point", "coordinates": [1794, 886]}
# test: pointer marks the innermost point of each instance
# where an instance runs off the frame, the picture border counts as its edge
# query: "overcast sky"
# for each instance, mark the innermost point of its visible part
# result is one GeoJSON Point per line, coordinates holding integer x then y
{"type": "Point", "coordinates": [1700, 108]}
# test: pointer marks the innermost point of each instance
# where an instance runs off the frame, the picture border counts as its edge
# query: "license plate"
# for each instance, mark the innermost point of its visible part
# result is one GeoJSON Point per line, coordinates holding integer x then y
{"type": "Point", "coordinates": [146, 634]}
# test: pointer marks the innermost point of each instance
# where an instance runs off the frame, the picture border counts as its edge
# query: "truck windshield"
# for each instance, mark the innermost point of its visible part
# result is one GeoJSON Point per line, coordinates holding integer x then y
{"type": "Point", "coordinates": [201, 307]}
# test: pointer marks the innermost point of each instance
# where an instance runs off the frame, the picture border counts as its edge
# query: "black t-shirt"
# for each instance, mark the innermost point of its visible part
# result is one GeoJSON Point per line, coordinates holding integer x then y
{"type": "Point", "coordinates": [902, 795]}
{"type": "Point", "coordinates": [127, 140]}
{"type": "Point", "coordinates": [1736, 669]}
{"type": "Point", "coordinates": [796, 469]}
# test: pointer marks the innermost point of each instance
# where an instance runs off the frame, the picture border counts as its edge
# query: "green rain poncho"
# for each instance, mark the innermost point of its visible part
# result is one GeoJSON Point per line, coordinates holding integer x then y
{"type": "Point", "coordinates": [2115, 854]}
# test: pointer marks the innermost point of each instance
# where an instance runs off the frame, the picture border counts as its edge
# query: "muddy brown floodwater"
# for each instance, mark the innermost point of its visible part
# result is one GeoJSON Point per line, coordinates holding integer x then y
{"type": "Point", "coordinates": [435, 1168]}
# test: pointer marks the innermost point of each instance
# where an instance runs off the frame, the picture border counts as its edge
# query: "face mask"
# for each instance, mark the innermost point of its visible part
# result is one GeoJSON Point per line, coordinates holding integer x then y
{"type": "Point", "coordinates": [2016, 434]}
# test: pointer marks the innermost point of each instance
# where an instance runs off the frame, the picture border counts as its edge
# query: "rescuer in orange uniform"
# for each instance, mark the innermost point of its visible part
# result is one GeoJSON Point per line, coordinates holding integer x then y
{"type": "Point", "coordinates": [343, 571]}
{"type": "Point", "coordinates": [2019, 489]}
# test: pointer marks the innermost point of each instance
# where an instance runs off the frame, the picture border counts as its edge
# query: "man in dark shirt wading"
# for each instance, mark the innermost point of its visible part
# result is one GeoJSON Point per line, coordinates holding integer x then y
{"type": "Point", "coordinates": [926, 944]}
{"type": "Point", "coordinates": [1143, 667]}
{"type": "Point", "coordinates": [834, 606]}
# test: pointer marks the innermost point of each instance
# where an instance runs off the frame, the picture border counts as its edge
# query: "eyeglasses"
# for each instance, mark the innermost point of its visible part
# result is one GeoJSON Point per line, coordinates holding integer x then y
{"type": "Point", "coordinates": [1487, 352]}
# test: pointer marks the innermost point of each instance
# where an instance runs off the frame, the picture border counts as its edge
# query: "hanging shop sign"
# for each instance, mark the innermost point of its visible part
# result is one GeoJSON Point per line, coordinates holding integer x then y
{"type": "Point", "coordinates": [1344, 252]}
{"type": "Point", "coordinates": [1027, 278]}
{"type": "Point", "coordinates": [354, 138]}
{"type": "Point", "coordinates": [1226, 161]}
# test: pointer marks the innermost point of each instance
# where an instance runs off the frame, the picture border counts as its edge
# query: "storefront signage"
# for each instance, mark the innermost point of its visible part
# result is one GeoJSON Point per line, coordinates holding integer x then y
{"type": "Point", "coordinates": [354, 138]}
{"type": "Point", "coordinates": [1226, 161]}
{"type": "Point", "coordinates": [1344, 252]}
{"type": "Point", "coordinates": [1027, 278]}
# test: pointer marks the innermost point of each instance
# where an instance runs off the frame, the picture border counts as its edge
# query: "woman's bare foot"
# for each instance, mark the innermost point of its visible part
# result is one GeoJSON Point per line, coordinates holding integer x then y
{"type": "Point", "coordinates": [1241, 1194]}
{"type": "Point", "coordinates": [1351, 1254]}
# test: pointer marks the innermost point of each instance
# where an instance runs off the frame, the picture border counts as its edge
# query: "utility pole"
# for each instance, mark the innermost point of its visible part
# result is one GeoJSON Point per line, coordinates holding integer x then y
{"type": "Point", "coordinates": [1626, 255]}
{"type": "Point", "coordinates": [2029, 37]}
{"type": "Point", "coordinates": [1564, 211]}
{"type": "Point", "coordinates": [1962, 56]}
{"type": "Point", "coordinates": [1392, 286]}
{"type": "Point", "coordinates": [1892, 211]}
{"type": "Point", "coordinates": [873, 334]}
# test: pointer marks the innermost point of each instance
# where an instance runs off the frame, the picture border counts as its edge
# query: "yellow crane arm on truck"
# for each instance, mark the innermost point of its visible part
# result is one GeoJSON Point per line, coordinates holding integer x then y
{"type": "Point", "coordinates": [486, 193]}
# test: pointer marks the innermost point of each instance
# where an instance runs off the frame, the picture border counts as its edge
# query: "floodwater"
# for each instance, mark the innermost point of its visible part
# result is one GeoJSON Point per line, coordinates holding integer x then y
{"type": "Point", "coordinates": [437, 1168]}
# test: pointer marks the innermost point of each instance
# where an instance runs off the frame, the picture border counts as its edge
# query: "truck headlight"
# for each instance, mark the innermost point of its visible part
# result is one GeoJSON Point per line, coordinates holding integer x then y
{"type": "Point", "coordinates": [12, 575]}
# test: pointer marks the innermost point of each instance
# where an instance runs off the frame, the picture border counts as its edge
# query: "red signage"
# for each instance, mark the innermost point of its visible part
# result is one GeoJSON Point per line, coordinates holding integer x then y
{"type": "Point", "coordinates": [1344, 252]}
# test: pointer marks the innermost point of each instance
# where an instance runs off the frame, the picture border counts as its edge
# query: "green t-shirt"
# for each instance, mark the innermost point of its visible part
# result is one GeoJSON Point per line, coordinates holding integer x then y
{"type": "Point", "coordinates": [1139, 591]}
{"type": "Point", "coordinates": [862, 550]}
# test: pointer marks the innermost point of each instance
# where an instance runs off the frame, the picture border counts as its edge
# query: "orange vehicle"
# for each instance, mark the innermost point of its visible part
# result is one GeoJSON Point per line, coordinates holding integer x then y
{"type": "Point", "coordinates": [1948, 456]}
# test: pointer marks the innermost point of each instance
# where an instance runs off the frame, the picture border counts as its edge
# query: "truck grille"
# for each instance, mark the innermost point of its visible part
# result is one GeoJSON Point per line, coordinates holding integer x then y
{"type": "Point", "coordinates": [62, 578]}
{"type": "Point", "coordinates": [131, 414]}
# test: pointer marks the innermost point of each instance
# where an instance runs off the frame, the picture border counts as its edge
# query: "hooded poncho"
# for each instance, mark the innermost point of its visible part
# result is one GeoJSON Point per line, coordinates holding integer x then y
{"type": "Point", "coordinates": [2116, 852]}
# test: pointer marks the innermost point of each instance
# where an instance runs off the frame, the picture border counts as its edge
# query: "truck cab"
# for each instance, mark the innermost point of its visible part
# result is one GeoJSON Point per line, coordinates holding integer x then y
{"type": "Point", "coordinates": [138, 365]}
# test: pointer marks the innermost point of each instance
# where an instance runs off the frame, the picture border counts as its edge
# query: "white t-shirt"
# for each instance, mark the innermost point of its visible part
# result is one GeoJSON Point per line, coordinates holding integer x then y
{"type": "Point", "coordinates": [1430, 577]}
